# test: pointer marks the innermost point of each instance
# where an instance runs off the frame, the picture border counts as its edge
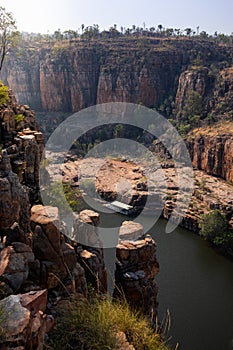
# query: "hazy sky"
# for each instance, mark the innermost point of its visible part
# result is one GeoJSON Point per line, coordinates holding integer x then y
{"type": "Point", "coordinates": [49, 15]}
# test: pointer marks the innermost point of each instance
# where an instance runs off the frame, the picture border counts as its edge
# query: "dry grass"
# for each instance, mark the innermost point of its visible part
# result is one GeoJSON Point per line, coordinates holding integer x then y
{"type": "Point", "coordinates": [93, 325]}
{"type": "Point", "coordinates": [217, 129]}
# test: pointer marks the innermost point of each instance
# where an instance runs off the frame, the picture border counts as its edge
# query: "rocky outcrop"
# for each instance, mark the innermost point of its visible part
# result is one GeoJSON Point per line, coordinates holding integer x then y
{"type": "Point", "coordinates": [23, 142]}
{"type": "Point", "coordinates": [84, 73]}
{"type": "Point", "coordinates": [126, 181]}
{"type": "Point", "coordinates": [57, 259]}
{"type": "Point", "coordinates": [196, 79]}
{"type": "Point", "coordinates": [223, 92]}
{"type": "Point", "coordinates": [15, 262]}
{"type": "Point", "coordinates": [14, 201]}
{"type": "Point", "coordinates": [117, 180]}
{"type": "Point", "coordinates": [215, 86]}
{"type": "Point", "coordinates": [24, 323]}
{"type": "Point", "coordinates": [137, 267]}
{"type": "Point", "coordinates": [212, 153]}
{"type": "Point", "coordinates": [36, 252]}
{"type": "Point", "coordinates": [89, 250]}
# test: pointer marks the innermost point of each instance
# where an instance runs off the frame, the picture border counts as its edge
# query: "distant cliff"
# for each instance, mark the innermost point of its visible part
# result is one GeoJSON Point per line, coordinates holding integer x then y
{"type": "Point", "coordinates": [159, 73]}
{"type": "Point", "coordinates": [211, 149]}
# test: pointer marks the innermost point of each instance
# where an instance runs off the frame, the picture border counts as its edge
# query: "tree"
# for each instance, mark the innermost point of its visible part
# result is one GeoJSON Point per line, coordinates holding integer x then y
{"type": "Point", "coordinates": [118, 132]}
{"type": "Point", "coordinates": [188, 31]}
{"type": "Point", "coordinates": [152, 29]}
{"type": "Point", "coordinates": [58, 35]}
{"type": "Point", "coordinates": [160, 27]}
{"type": "Point", "coordinates": [178, 31]}
{"type": "Point", "coordinates": [204, 35]}
{"type": "Point", "coordinates": [7, 33]}
{"type": "Point", "coordinates": [213, 224]}
{"type": "Point", "coordinates": [169, 32]}
{"type": "Point", "coordinates": [193, 104]}
{"type": "Point", "coordinates": [70, 34]}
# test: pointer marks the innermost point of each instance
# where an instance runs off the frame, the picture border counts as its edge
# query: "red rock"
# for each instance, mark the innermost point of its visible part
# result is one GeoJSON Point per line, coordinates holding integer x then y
{"type": "Point", "coordinates": [35, 301]}
{"type": "Point", "coordinates": [25, 323]}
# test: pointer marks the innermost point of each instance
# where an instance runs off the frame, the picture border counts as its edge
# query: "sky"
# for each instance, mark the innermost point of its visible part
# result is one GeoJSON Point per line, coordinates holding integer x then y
{"type": "Point", "coordinates": [46, 16]}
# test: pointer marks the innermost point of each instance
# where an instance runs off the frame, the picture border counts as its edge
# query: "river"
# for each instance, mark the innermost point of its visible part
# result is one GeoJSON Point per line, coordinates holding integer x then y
{"type": "Point", "coordinates": [196, 286]}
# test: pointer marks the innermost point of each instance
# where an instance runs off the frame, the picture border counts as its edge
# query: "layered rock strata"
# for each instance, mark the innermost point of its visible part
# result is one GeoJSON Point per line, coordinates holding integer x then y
{"type": "Point", "coordinates": [137, 267]}
{"type": "Point", "coordinates": [23, 142]}
{"type": "Point", "coordinates": [157, 72]}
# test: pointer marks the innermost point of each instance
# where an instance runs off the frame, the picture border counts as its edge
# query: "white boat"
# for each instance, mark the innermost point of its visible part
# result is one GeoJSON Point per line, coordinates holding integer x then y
{"type": "Point", "coordinates": [120, 207]}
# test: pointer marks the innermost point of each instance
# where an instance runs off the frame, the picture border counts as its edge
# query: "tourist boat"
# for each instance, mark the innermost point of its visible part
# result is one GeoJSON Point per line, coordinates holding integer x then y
{"type": "Point", "coordinates": [120, 207]}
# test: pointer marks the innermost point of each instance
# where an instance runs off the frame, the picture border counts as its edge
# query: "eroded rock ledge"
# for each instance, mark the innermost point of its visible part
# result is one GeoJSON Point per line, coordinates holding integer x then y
{"type": "Point", "coordinates": [125, 181]}
{"type": "Point", "coordinates": [23, 142]}
{"type": "Point", "coordinates": [137, 267]}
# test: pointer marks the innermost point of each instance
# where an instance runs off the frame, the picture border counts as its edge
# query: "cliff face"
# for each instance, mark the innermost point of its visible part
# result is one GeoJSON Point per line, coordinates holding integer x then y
{"type": "Point", "coordinates": [214, 87]}
{"type": "Point", "coordinates": [147, 79]}
{"type": "Point", "coordinates": [22, 145]}
{"type": "Point", "coordinates": [223, 92]}
{"type": "Point", "coordinates": [194, 79]}
{"type": "Point", "coordinates": [71, 76]}
{"type": "Point", "coordinates": [211, 150]}
{"type": "Point", "coordinates": [68, 79]}
{"type": "Point", "coordinates": [22, 141]}
{"type": "Point", "coordinates": [22, 74]}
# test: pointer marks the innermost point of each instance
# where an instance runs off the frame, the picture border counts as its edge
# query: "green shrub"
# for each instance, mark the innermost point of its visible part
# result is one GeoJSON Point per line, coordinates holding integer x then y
{"type": "Point", "coordinates": [93, 325]}
{"type": "Point", "coordinates": [213, 224]}
{"type": "Point", "coordinates": [4, 96]}
{"type": "Point", "coordinates": [55, 196]}
{"type": "Point", "coordinates": [225, 240]}
{"type": "Point", "coordinates": [19, 118]}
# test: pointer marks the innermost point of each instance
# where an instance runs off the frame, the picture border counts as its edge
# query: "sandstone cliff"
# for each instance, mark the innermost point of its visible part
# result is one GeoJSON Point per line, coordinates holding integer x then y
{"type": "Point", "coordinates": [211, 149]}
{"type": "Point", "coordinates": [75, 75]}
{"type": "Point", "coordinates": [22, 141]}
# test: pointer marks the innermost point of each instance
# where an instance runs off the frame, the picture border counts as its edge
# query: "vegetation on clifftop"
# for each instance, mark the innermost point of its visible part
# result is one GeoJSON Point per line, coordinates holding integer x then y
{"type": "Point", "coordinates": [4, 96]}
{"type": "Point", "coordinates": [99, 324]}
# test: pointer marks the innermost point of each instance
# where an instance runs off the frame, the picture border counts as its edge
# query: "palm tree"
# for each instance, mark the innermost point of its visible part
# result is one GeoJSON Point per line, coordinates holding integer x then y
{"type": "Point", "coordinates": [188, 31]}
{"type": "Point", "coordinates": [160, 27]}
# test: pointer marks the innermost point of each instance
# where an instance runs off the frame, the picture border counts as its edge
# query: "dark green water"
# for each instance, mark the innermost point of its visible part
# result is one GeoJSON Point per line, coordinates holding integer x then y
{"type": "Point", "coordinates": [196, 285]}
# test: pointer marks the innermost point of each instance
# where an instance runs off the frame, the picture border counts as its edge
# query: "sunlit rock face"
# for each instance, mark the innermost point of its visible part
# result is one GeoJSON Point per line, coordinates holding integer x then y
{"type": "Point", "coordinates": [137, 267]}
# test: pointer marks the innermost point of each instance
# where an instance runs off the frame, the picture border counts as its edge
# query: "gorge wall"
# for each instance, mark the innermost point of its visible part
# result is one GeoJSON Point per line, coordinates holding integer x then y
{"type": "Point", "coordinates": [70, 76]}
{"type": "Point", "coordinates": [213, 153]}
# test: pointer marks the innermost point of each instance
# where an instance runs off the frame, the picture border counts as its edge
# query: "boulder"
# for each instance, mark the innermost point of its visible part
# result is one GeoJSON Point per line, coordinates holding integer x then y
{"type": "Point", "coordinates": [56, 257]}
{"type": "Point", "coordinates": [25, 323]}
{"type": "Point", "coordinates": [85, 229]}
{"type": "Point", "coordinates": [14, 264]}
{"type": "Point", "coordinates": [131, 231]}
